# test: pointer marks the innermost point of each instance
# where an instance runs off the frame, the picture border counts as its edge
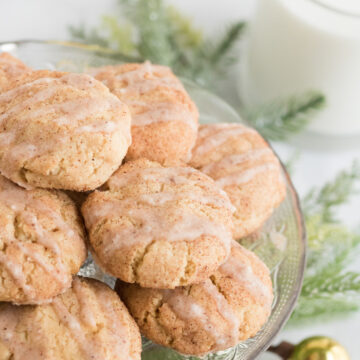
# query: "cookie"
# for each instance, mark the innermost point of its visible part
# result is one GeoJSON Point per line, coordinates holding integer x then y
{"type": "Point", "coordinates": [61, 130]}
{"type": "Point", "coordinates": [164, 118]}
{"type": "Point", "coordinates": [88, 321]}
{"type": "Point", "coordinates": [11, 68]}
{"type": "Point", "coordinates": [243, 164]}
{"type": "Point", "coordinates": [42, 243]}
{"type": "Point", "coordinates": [159, 226]}
{"type": "Point", "coordinates": [214, 315]}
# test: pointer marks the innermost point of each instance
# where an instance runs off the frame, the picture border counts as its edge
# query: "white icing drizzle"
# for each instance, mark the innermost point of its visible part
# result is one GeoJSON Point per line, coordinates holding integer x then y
{"type": "Point", "coordinates": [245, 176]}
{"type": "Point", "coordinates": [40, 96]}
{"type": "Point", "coordinates": [88, 348]}
{"type": "Point", "coordinates": [225, 310]}
{"type": "Point", "coordinates": [117, 340]}
{"type": "Point", "coordinates": [163, 175]}
{"type": "Point", "coordinates": [10, 316]}
{"type": "Point", "coordinates": [58, 275]}
{"type": "Point", "coordinates": [70, 113]}
{"type": "Point", "coordinates": [188, 308]}
{"type": "Point", "coordinates": [162, 198]}
{"type": "Point", "coordinates": [212, 136]}
{"type": "Point", "coordinates": [6, 139]}
{"type": "Point", "coordinates": [107, 127]}
{"type": "Point", "coordinates": [8, 322]}
{"type": "Point", "coordinates": [163, 112]}
{"type": "Point", "coordinates": [177, 176]}
{"type": "Point", "coordinates": [119, 337]}
{"type": "Point", "coordinates": [144, 79]}
{"type": "Point", "coordinates": [244, 275]}
{"type": "Point", "coordinates": [86, 311]}
{"type": "Point", "coordinates": [159, 223]}
{"type": "Point", "coordinates": [16, 271]}
{"type": "Point", "coordinates": [236, 159]}
{"type": "Point", "coordinates": [23, 202]}
{"type": "Point", "coordinates": [14, 92]}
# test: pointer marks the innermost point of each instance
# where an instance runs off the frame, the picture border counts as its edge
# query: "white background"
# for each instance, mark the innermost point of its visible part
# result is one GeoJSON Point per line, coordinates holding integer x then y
{"type": "Point", "coordinates": [48, 19]}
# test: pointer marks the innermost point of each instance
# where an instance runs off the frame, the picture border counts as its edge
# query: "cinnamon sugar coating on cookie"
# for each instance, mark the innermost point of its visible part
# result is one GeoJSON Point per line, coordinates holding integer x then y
{"type": "Point", "coordinates": [42, 243]}
{"type": "Point", "coordinates": [86, 322]}
{"type": "Point", "coordinates": [159, 226]}
{"type": "Point", "coordinates": [164, 118]}
{"type": "Point", "coordinates": [11, 68]}
{"type": "Point", "coordinates": [61, 130]}
{"type": "Point", "coordinates": [243, 164]}
{"type": "Point", "coordinates": [214, 315]}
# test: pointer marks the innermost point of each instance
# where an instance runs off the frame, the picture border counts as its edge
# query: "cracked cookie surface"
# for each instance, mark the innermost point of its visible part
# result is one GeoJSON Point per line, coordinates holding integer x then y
{"type": "Point", "coordinates": [88, 321]}
{"type": "Point", "coordinates": [164, 118]}
{"type": "Point", "coordinates": [159, 226]}
{"type": "Point", "coordinates": [42, 243]}
{"type": "Point", "coordinates": [243, 164]}
{"type": "Point", "coordinates": [214, 315]}
{"type": "Point", "coordinates": [61, 130]}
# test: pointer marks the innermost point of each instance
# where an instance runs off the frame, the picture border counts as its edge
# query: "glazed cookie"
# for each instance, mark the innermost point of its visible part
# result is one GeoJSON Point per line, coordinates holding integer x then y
{"type": "Point", "coordinates": [164, 119]}
{"type": "Point", "coordinates": [61, 130]}
{"type": "Point", "coordinates": [42, 243]}
{"type": "Point", "coordinates": [214, 315]}
{"type": "Point", "coordinates": [10, 69]}
{"type": "Point", "coordinates": [86, 322]}
{"type": "Point", "coordinates": [159, 226]}
{"type": "Point", "coordinates": [243, 164]}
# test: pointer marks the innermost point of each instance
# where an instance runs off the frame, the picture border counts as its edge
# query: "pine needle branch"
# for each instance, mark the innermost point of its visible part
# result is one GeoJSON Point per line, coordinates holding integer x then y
{"type": "Point", "coordinates": [153, 30]}
{"type": "Point", "coordinates": [319, 308]}
{"type": "Point", "coordinates": [280, 119]}
{"type": "Point", "coordinates": [328, 288]}
{"type": "Point", "coordinates": [341, 284]}
{"type": "Point", "coordinates": [226, 43]}
{"type": "Point", "coordinates": [333, 194]}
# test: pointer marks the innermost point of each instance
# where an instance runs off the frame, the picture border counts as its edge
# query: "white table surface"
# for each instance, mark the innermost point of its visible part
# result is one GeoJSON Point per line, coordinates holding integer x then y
{"type": "Point", "coordinates": [48, 19]}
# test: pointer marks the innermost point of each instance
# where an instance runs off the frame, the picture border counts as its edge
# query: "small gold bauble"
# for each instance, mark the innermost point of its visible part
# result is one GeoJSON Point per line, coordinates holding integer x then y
{"type": "Point", "coordinates": [319, 348]}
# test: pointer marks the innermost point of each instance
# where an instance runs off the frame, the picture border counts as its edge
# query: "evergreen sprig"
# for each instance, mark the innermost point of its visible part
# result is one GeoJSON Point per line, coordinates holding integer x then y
{"type": "Point", "coordinates": [280, 119]}
{"type": "Point", "coordinates": [329, 289]}
{"type": "Point", "coordinates": [331, 195]}
{"type": "Point", "coordinates": [153, 30]}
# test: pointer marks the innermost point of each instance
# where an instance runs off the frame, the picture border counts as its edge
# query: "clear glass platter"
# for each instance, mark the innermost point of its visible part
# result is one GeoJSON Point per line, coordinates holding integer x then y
{"type": "Point", "coordinates": [280, 244]}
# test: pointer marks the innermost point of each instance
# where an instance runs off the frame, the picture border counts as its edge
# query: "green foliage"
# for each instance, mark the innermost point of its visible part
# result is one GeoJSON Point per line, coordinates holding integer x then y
{"type": "Point", "coordinates": [120, 37]}
{"type": "Point", "coordinates": [329, 289]}
{"type": "Point", "coordinates": [152, 30]}
{"type": "Point", "coordinates": [331, 195]}
{"type": "Point", "coordinates": [280, 119]}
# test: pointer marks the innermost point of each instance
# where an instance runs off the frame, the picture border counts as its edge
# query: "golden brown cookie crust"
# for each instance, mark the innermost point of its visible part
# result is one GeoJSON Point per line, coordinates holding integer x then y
{"type": "Point", "coordinates": [159, 226]}
{"type": "Point", "coordinates": [61, 130]}
{"type": "Point", "coordinates": [164, 118]}
{"type": "Point", "coordinates": [86, 322]}
{"type": "Point", "coordinates": [42, 243]}
{"type": "Point", "coordinates": [243, 164]}
{"type": "Point", "coordinates": [214, 315]}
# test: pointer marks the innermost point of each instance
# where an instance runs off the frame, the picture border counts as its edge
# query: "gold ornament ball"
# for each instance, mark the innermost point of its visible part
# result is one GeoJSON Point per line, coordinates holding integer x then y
{"type": "Point", "coordinates": [319, 348]}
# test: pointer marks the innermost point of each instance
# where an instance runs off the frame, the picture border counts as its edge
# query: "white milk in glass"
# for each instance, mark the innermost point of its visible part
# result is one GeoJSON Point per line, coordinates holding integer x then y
{"type": "Point", "coordinates": [297, 45]}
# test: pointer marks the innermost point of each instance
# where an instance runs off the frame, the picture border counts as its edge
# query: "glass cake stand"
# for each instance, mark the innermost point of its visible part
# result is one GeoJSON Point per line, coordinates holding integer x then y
{"type": "Point", "coordinates": [280, 244]}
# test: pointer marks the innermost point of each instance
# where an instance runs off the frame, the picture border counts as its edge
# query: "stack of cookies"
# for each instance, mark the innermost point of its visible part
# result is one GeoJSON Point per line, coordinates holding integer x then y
{"type": "Point", "coordinates": [114, 162]}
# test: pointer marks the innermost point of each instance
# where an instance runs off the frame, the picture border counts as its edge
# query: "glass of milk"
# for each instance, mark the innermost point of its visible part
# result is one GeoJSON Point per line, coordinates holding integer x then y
{"type": "Point", "coordinates": [299, 45]}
